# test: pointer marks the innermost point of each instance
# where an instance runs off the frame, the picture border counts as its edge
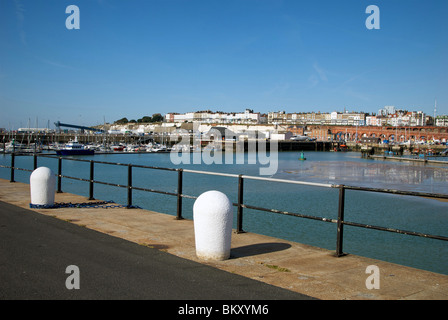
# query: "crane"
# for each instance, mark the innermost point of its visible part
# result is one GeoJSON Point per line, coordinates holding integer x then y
{"type": "Point", "coordinates": [59, 124]}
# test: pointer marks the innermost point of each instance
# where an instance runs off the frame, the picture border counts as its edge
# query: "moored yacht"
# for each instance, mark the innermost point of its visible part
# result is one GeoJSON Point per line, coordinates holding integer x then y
{"type": "Point", "coordinates": [73, 148]}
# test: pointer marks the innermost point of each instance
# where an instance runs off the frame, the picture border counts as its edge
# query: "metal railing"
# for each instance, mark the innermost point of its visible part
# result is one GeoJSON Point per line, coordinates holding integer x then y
{"type": "Point", "coordinates": [340, 222]}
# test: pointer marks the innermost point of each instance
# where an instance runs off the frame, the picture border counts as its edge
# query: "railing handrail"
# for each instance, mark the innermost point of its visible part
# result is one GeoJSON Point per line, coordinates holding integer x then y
{"type": "Point", "coordinates": [240, 204]}
{"type": "Point", "coordinates": [314, 184]}
{"type": "Point", "coordinates": [233, 175]}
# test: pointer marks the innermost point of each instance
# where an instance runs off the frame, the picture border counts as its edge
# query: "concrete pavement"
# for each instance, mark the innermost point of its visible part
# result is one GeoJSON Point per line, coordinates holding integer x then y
{"type": "Point", "coordinates": [293, 266]}
{"type": "Point", "coordinates": [36, 250]}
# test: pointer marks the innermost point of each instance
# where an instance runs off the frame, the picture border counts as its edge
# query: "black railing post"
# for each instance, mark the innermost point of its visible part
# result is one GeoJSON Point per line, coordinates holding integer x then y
{"type": "Point", "coordinates": [129, 186]}
{"type": "Point", "coordinates": [340, 234]}
{"type": "Point", "coordinates": [35, 161]}
{"type": "Point", "coordinates": [239, 223]}
{"type": "Point", "coordinates": [179, 194]}
{"type": "Point", "coordinates": [91, 180]}
{"type": "Point", "coordinates": [59, 174]}
{"type": "Point", "coordinates": [13, 160]}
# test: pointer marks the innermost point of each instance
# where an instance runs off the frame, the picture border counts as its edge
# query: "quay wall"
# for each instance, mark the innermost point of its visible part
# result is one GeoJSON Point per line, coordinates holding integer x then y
{"type": "Point", "coordinates": [46, 139]}
{"type": "Point", "coordinates": [283, 145]}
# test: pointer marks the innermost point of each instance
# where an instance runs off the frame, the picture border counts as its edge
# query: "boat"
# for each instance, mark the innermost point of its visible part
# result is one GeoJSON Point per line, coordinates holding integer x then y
{"type": "Point", "coordinates": [117, 148]}
{"type": "Point", "coordinates": [158, 148]}
{"type": "Point", "coordinates": [73, 148]}
{"type": "Point", "coordinates": [132, 148]}
{"type": "Point", "coordinates": [16, 147]}
{"type": "Point", "coordinates": [299, 138]}
{"type": "Point", "coordinates": [341, 147]}
{"type": "Point", "coordinates": [54, 146]}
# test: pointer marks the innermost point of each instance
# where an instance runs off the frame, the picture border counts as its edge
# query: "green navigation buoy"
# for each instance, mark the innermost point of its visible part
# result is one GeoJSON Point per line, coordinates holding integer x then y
{"type": "Point", "coordinates": [302, 156]}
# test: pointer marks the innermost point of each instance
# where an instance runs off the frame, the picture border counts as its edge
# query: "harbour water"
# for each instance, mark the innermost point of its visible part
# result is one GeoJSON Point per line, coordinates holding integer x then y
{"type": "Point", "coordinates": [349, 168]}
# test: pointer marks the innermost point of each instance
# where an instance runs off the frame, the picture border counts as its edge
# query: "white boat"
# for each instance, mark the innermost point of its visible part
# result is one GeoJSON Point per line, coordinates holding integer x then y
{"type": "Point", "coordinates": [54, 146]}
{"type": "Point", "coordinates": [159, 148]}
{"type": "Point", "coordinates": [135, 148]}
{"type": "Point", "coordinates": [299, 138]}
{"type": "Point", "coordinates": [14, 146]}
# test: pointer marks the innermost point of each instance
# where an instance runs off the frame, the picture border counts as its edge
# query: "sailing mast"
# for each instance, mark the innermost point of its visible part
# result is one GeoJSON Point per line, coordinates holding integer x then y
{"type": "Point", "coordinates": [435, 111]}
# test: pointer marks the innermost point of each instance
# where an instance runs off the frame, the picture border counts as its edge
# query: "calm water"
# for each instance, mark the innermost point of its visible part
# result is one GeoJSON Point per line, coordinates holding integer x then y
{"type": "Point", "coordinates": [401, 212]}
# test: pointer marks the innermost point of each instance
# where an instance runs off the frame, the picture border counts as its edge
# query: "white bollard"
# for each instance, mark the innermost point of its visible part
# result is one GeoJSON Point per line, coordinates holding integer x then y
{"type": "Point", "coordinates": [213, 217]}
{"type": "Point", "coordinates": [42, 186]}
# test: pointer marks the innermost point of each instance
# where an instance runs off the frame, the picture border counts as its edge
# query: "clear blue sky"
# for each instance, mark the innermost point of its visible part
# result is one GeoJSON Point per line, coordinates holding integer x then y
{"type": "Point", "coordinates": [132, 58]}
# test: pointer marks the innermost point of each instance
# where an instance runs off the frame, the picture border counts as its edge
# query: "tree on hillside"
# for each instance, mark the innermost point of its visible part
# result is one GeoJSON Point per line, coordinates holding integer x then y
{"type": "Point", "coordinates": [157, 117]}
{"type": "Point", "coordinates": [145, 119]}
{"type": "Point", "coordinates": [122, 121]}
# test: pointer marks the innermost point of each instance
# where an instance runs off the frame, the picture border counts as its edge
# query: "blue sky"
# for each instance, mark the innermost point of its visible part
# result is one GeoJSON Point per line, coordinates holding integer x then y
{"type": "Point", "coordinates": [132, 58]}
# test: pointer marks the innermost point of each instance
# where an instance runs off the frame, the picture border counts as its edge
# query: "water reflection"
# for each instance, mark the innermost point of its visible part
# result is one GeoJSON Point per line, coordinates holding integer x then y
{"type": "Point", "coordinates": [377, 174]}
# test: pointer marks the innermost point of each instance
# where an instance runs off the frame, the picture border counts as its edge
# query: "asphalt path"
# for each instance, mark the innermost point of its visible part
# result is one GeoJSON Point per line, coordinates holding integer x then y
{"type": "Point", "coordinates": [35, 251]}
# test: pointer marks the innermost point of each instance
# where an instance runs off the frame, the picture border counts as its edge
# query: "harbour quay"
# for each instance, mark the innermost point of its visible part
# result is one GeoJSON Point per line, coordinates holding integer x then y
{"type": "Point", "coordinates": [45, 139]}
{"type": "Point", "coordinates": [41, 141]}
{"type": "Point", "coordinates": [378, 139]}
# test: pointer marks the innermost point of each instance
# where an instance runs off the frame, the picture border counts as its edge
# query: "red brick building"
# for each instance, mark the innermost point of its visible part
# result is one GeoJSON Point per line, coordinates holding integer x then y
{"type": "Point", "coordinates": [401, 134]}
